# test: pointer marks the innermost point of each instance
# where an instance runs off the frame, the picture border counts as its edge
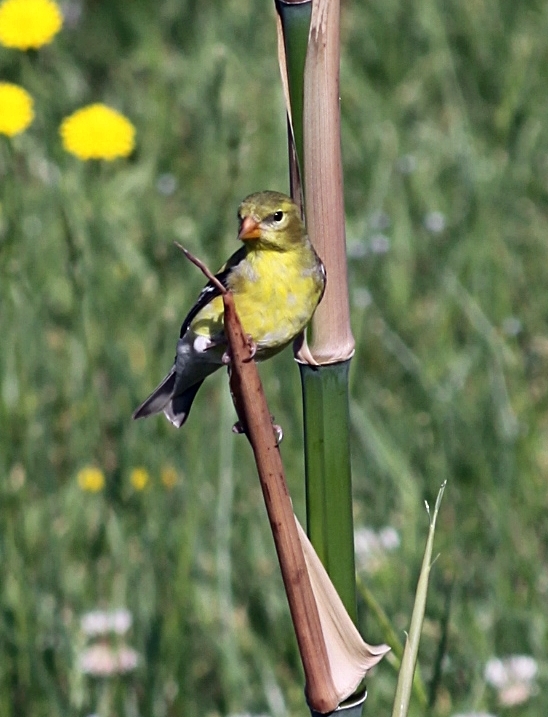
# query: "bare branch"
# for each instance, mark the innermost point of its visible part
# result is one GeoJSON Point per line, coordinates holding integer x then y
{"type": "Point", "coordinates": [250, 404]}
{"type": "Point", "coordinates": [204, 269]}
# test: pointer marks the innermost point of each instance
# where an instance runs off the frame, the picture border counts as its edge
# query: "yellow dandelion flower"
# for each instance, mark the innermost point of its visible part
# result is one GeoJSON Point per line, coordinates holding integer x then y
{"type": "Point", "coordinates": [97, 132]}
{"type": "Point", "coordinates": [91, 479]}
{"type": "Point", "coordinates": [168, 477]}
{"type": "Point", "coordinates": [139, 478]}
{"type": "Point", "coordinates": [29, 24]}
{"type": "Point", "coordinates": [16, 109]}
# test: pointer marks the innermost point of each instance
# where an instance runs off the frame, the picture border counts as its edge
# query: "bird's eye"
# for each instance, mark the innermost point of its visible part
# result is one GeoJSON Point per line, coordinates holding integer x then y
{"type": "Point", "coordinates": [278, 216]}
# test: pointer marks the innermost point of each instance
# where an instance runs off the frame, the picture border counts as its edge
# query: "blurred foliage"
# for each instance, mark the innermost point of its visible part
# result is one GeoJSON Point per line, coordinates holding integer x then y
{"type": "Point", "coordinates": [446, 179]}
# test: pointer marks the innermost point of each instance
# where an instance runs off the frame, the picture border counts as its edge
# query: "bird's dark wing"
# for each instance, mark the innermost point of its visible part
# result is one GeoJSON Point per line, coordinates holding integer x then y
{"type": "Point", "coordinates": [210, 291]}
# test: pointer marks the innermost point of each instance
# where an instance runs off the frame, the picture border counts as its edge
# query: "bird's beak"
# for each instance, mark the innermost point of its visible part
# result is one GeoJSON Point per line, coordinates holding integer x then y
{"type": "Point", "coordinates": [249, 229]}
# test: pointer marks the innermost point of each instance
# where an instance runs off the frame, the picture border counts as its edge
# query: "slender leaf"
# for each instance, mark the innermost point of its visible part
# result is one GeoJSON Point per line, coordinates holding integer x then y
{"type": "Point", "coordinates": [409, 659]}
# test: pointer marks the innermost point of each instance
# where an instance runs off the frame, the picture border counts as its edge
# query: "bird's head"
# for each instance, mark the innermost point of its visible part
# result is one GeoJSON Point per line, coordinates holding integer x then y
{"type": "Point", "coordinates": [271, 219]}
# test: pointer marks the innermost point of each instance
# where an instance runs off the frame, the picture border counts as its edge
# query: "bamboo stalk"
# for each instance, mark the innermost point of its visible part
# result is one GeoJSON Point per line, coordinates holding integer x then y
{"type": "Point", "coordinates": [313, 112]}
{"type": "Point", "coordinates": [325, 360]}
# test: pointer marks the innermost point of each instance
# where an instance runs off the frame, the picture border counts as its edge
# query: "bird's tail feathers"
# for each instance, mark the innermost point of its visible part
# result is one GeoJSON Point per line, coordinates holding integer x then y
{"type": "Point", "coordinates": [178, 408]}
{"type": "Point", "coordinates": [158, 399]}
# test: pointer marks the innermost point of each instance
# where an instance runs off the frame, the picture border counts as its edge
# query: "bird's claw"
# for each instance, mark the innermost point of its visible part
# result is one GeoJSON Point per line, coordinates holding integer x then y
{"type": "Point", "coordinates": [226, 358]}
{"type": "Point", "coordinates": [278, 431]}
{"type": "Point", "coordinates": [238, 428]}
{"type": "Point", "coordinates": [252, 348]}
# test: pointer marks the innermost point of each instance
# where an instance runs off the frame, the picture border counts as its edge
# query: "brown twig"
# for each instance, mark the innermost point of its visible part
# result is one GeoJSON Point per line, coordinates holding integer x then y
{"type": "Point", "coordinates": [253, 413]}
{"type": "Point", "coordinates": [203, 268]}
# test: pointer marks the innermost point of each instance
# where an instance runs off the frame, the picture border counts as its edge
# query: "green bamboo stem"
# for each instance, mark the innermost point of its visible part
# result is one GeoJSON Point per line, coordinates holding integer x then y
{"type": "Point", "coordinates": [328, 476]}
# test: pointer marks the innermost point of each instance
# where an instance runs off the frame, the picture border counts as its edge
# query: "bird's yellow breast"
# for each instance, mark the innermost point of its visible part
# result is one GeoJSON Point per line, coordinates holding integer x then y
{"type": "Point", "coordinates": [275, 292]}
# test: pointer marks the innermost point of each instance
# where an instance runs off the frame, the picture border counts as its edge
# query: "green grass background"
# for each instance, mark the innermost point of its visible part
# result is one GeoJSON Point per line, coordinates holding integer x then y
{"type": "Point", "coordinates": [444, 110]}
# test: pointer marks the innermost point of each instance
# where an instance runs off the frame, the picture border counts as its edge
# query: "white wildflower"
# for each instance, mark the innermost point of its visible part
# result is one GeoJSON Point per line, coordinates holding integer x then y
{"type": "Point", "coordinates": [102, 660]}
{"type": "Point", "coordinates": [379, 243]}
{"type": "Point", "coordinates": [513, 677]}
{"type": "Point", "coordinates": [95, 622]}
{"type": "Point", "coordinates": [435, 222]}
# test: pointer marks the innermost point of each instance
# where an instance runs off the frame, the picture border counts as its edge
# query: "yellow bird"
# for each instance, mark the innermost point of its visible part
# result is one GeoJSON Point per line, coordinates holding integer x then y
{"type": "Point", "coordinates": [277, 280]}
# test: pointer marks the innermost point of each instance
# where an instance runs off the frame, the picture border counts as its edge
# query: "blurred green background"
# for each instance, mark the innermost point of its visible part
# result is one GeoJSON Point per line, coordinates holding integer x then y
{"type": "Point", "coordinates": [445, 143]}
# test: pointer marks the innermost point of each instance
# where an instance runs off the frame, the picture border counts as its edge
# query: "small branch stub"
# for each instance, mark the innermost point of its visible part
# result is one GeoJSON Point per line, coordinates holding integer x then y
{"type": "Point", "coordinates": [203, 268]}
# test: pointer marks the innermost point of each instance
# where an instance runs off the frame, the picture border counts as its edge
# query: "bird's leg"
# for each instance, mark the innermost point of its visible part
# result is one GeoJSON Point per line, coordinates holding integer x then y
{"type": "Point", "coordinates": [252, 346]}
{"type": "Point", "coordinates": [225, 358]}
{"type": "Point", "coordinates": [239, 427]}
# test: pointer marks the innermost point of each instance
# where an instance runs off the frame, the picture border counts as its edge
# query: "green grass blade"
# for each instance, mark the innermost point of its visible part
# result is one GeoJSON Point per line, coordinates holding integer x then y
{"type": "Point", "coordinates": [409, 659]}
{"type": "Point", "coordinates": [391, 638]}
